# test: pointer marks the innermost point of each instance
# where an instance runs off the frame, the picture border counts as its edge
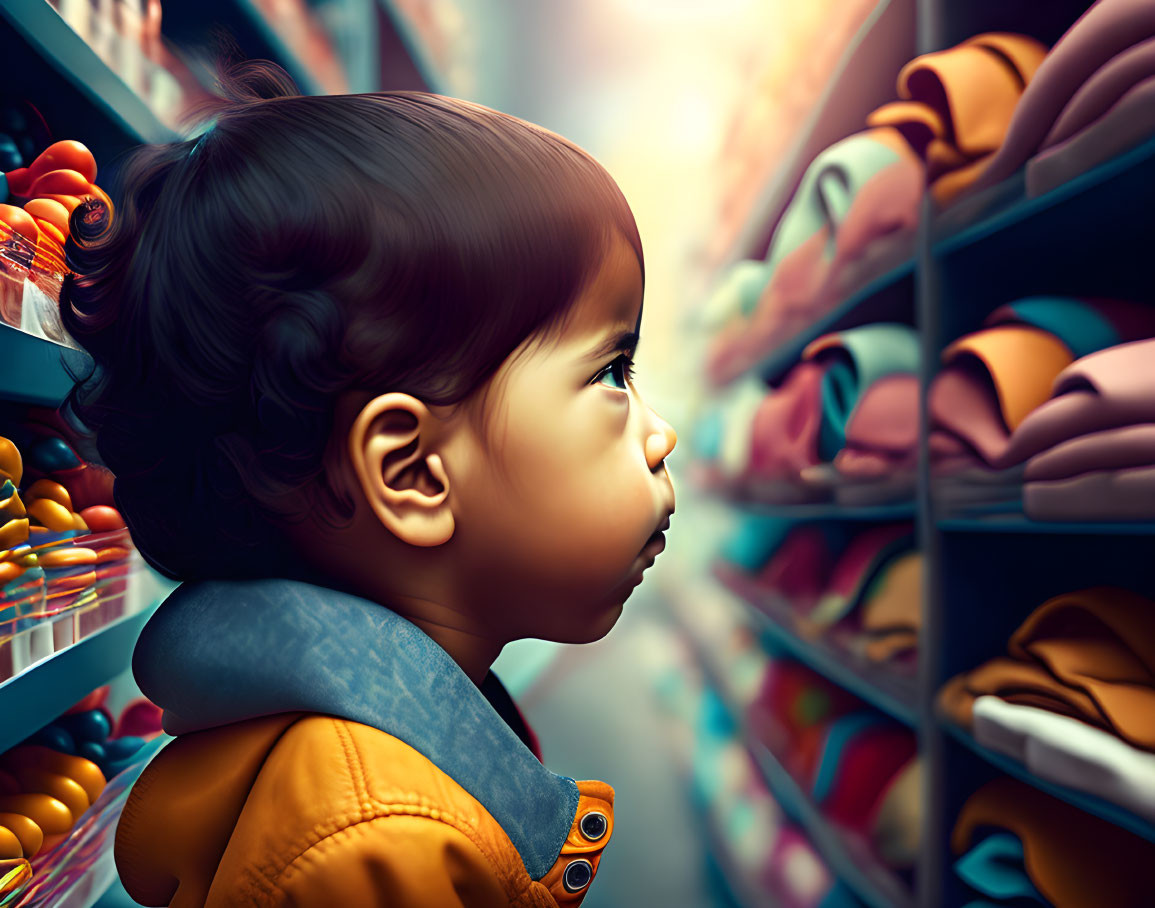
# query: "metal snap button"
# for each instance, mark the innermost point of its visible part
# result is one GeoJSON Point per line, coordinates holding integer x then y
{"type": "Point", "coordinates": [577, 875]}
{"type": "Point", "coordinates": [594, 825]}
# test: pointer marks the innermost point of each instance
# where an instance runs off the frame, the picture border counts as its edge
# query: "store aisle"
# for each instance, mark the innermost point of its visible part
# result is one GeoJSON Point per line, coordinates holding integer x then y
{"type": "Point", "coordinates": [595, 712]}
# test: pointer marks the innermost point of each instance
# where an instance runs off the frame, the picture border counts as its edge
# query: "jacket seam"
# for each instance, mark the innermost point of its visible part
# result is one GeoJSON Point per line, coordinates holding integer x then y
{"type": "Point", "coordinates": [356, 771]}
{"type": "Point", "coordinates": [406, 810]}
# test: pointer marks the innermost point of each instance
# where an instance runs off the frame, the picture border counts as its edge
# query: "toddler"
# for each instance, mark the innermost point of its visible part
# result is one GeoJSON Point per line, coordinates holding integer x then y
{"type": "Point", "coordinates": [363, 373]}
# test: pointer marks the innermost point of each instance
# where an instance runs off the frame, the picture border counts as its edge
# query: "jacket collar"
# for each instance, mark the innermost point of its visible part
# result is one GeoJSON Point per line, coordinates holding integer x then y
{"type": "Point", "coordinates": [220, 651]}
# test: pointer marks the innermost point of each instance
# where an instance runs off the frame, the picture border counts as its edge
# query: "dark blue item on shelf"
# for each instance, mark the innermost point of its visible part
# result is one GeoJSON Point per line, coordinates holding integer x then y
{"type": "Point", "coordinates": [91, 725]}
{"type": "Point", "coordinates": [122, 748]}
{"type": "Point", "coordinates": [53, 454]}
{"type": "Point", "coordinates": [91, 750]}
{"type": "Point", "coordinates": [10, 157]}
{"type": "Point", "coordinates": [56, 738]}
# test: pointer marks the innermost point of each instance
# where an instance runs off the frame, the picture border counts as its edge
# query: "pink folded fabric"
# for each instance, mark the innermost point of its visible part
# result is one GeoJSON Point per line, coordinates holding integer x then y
{"type": "Point", "coordinates": [1107, 495]}
{"type": "Point", "coordinates": [882, 433]}
{"type": "Point", "coordinates": [785, 429]}
{"type": "Point", "coordinates": [1106, 390]}
{"type": "Point", "coordinates": [1099, 93]}
{"type": "Point", "coordinates": [1110, 449]}
{"type": "Point", "coordinates": [1129, 122]}
{"type": "Point", "coordinates": [855, 569]}
{"type": "Point", "coordinates": [799, 569]}
{"type": "Point", "coordinates": [878, 231]}
{"type": "Point", "coordinates": [742, 343]}
{"type": "Point", "coordinates": [1106, 30]}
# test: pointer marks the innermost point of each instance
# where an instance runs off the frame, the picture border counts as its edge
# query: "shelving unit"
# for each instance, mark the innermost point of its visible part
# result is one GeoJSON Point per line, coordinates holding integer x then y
{"type": "Point", "coordinates": [888, 297]}
{"type": "Point", "coordinates": [47, 688]}
{"type": "Point", "coordinates": [1112, 813]}
{"type": "Point", "coordinates": [34, 370]}
{"type": "Point", "coordinates": [257, 37]}
{"type": "Point", "coordinates": [72, 86]}
{"type": "Point", "coordinates": [892, 695]}
{"type": "Point", "coordinates": [987, 567]}
{"type": "Point", "coordinates": [874, 884]}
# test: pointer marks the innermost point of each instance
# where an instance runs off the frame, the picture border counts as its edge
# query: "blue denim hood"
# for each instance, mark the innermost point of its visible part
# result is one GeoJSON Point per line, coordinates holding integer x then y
{"type": "Point", "coordinates": [217, 652]}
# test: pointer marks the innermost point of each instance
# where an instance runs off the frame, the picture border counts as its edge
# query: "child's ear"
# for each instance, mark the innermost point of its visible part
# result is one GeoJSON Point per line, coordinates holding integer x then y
{"type": "Point", "coordinates": [393, 447]}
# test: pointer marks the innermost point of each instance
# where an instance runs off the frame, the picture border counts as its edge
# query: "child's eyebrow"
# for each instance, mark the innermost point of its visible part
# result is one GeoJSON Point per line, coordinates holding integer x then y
{"type": "Point", "coordinates": [624, 341]}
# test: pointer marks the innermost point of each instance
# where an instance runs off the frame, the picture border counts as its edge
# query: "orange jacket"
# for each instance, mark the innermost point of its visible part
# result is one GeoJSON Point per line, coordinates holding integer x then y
{"type": "Point", "coordinates": [344, 759]}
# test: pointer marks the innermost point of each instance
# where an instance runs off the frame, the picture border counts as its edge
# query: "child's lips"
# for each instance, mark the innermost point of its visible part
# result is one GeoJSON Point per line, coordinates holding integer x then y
{"type": "Point", "coordinates": [655, 545]}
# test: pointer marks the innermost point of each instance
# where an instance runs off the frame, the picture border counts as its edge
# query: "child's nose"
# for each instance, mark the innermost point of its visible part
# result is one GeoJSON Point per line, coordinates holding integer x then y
{"type": "Point", "coordinates": [660, 443]}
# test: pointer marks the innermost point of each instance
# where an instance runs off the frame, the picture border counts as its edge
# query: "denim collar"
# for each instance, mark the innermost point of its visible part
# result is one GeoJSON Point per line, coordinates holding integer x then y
{"type": "Point", "coordinates": [221, 651]}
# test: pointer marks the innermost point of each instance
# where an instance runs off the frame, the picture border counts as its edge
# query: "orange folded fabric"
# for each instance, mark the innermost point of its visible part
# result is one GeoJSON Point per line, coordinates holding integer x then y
{"type": "Point", "coordinates": [1074, 858]}
{"type": "Point", "coordinates": [957, 104]}
{"type": "Point", "coordinates": [1088, 654]}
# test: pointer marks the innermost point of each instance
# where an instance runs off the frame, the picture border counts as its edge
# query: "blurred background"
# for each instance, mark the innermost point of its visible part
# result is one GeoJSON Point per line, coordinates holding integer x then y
{"type": "Point", "coordinates": [899, 310]}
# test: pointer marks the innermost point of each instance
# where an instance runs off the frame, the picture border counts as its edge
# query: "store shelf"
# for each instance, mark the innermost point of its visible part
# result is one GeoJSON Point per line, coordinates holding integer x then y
{"type": "Point", "coordinates": [877, 886]}
{"type": "Point", "coordinates": [1018, 523]}
{"type": "Point", "coordinates": [896, 698]}
{"type": "Point", "coordinates": [1112, 186]}
{"type": "Point", "coordinates": [49, 63]}
{"type": "Point", "coordinates": [33, 370]}
{"type": "Point", "coordinates": [257, 37]}
{"type": "Point", "coordinates": [46, 689]}
{"type": "Point", "coordinates": [888, 297]}
{"type": "Point", "coordinates": [832, 512]}
{"type": "Point", "coordinates": [705, 479]}
{"type": "Point", "coordinates": [740, 887]}
{"type": "Point", "coordinates": [1105, 810]}
{"type": "Point", "coordinates": [874, 884]}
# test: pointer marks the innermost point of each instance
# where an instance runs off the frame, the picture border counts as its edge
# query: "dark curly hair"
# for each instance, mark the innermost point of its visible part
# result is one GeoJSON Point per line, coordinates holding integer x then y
{"type": "Point", "coordinates": [312, 245]}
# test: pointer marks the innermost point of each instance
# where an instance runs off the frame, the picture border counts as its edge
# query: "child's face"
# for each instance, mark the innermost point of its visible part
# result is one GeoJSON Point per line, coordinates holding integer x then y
{"type": "Point", "coordinates": [553, 510]}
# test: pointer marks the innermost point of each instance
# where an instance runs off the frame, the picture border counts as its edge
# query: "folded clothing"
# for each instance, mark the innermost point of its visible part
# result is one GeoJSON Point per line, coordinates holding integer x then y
{"type": "Point", "coordinates": [994, 403]}
{"type": "Point", "coordinates": [1089, 655]}
{"type": "Point", "coordinates": [1074, 859]}
{"type": "Point", "coordinates": [792, 712]}
{"type": "Point", "coordinates": [957, 104]}
{"type": "Point", "coordinates": [1108, 389]}
{"type": "Point", "coordinates": [990, 381]}
{"type": "Point", "coordinates": [995, 868]}
{"type": "Point", "coordinates": [853, 216]}
{"type": "Point", "coordinates": [1069, 752]}
{"type": "Point", "coordinates": [1090, 449]}
{"type": "Point", "coordinates": [1080, 78]}
{"type": "Point", "coordinates": [805, 422]}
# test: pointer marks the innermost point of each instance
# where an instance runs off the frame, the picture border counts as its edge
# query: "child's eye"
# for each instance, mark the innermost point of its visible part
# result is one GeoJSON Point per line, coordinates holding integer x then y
{"type": "Point", "coordinates": [621, 371]}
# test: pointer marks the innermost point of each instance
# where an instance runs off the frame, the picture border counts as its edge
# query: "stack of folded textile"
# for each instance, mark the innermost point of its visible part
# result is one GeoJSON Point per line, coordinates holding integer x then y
{"type": "Point", "coordinates": [862, 593]}
{"type": "Point", "coordinates": [1074, 700]}
{"type": "Point", "coordinates": [957, 104]}
{"type": "Point", "coordinates": [1093, 97]}
{"type": "Point", "coordinates": [853, 217]}
{"type": "Point", "coordinates": [858, 767]}
{"type": "Point", "coordinates": [1019, 846]}
{"type": "Point", "coordinates": [1090, 449]}
{"type": "Point", "coordinates": [994, 385]}
{"type": "Point", "coordinates": [842, 425]}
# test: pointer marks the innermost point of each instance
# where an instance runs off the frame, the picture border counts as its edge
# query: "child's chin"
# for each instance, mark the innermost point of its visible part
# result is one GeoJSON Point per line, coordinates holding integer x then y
{"type": "Point", "coordinates": [593, 629]}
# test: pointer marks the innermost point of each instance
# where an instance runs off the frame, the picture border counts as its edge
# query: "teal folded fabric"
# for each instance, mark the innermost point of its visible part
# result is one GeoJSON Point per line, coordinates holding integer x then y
{"type": "Point", "coordinates": [1077, 323]}
{"type": "Point", "coordinates": [994, 867]}
{"type": "Point", "coordinates": [737, 292]}
{"type": "Point", "coordinates": [842, 732]}
{"type": "Point", "coordinates": [754, 541]}
{"type": "Point", "coordinates": [857, 358]}
{"type": "Point", "coordinates": [827, 190]}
